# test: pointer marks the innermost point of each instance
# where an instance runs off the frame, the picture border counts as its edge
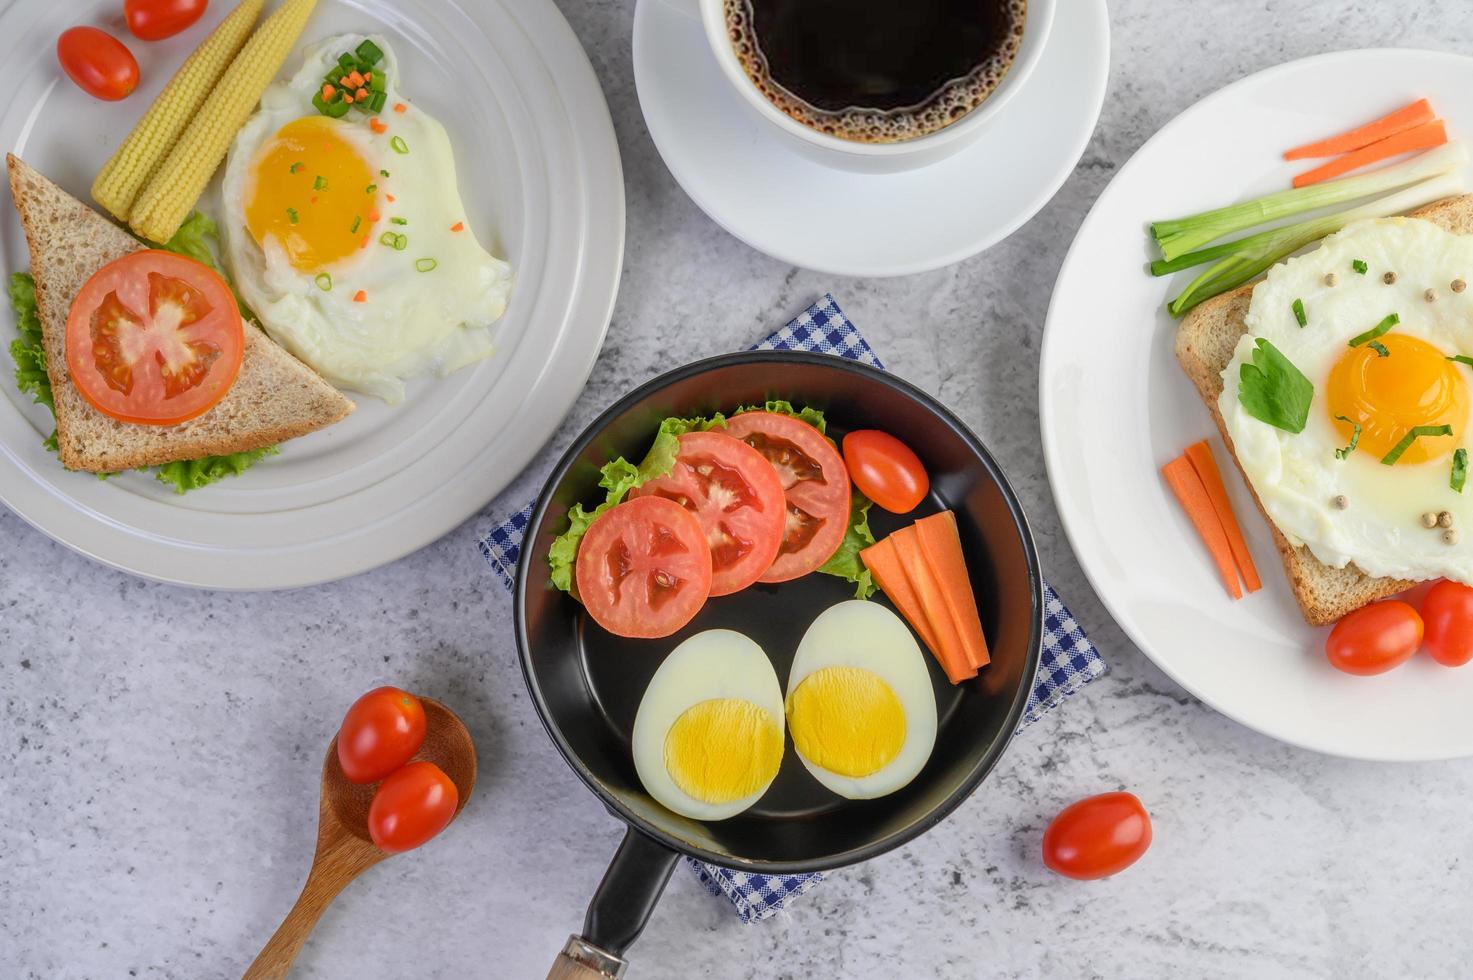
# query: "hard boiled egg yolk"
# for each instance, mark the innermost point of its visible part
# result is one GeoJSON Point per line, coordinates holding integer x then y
{"type": "Point", "coordinates": [310, 190]}
{"type": "Point", "coordinates": [846, 720]}
{"type": "Point", "coordinates": [1414, 384]}
{"type": "Point", "coordinates": [723, 750]}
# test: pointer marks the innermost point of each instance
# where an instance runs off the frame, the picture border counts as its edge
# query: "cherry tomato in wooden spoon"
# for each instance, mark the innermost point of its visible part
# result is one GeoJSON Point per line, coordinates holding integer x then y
{"type": "Point", "coordinates": [381, 731]}
{"type": "Point", "coordinates": [154, 20]}
{"type": "Point", "coordinates": [1447, 615]}
{"type": "Point", "coordinates": [98, 62]}
{"type": "Point", "coordinates": [414, 804]}
{"type": "Point", "coordinates": [885, 470]}
{"type": "Point", "coordinates": [1097, 836]}
{"type": "Point", "coordinates": [1375, 638]}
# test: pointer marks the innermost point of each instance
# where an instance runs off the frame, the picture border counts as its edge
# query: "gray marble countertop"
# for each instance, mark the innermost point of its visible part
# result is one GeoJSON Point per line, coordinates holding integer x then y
{"type": "Point", "coordinates": [160, 747]}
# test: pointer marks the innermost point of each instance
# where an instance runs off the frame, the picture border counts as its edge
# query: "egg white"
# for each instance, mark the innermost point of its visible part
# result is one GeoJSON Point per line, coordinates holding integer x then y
{"type": "Point", "coordinates": [1297, 476]}
{"type": "Point", "coordinates": [712, 664]}
{"type": "Point", "coordinates": [869, 636]}
{"type": "Point", "coordinates": [413, 323]}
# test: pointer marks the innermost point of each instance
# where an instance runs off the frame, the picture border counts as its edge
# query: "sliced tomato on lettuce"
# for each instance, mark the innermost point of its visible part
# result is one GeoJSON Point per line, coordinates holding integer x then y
{"type": "Point", "coordinates": [644, 569]}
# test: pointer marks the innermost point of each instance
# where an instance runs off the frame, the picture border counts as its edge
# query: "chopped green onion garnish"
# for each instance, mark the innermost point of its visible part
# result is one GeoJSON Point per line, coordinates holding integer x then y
{"type": "Point", "coordinates": [357, 220]}
{"type": "Point", "coordinates": [295, 167]}
{"type": "Point", "coordinates": [1298, 309]}
{"type": "Point", "coordinates": [383, 173]}
{"type": "Point", "coordinates": [369, 52]}
{"type": "Point", "coordinates": [1359, 266]}
{"type": "Point", "coordinates": [377, 99]}
{"type": "Point", "coordinates": [370, 188]}
{"type": "Point", "coordinates": [1354, 439]}
{"type": "Point", "coordinates": [398, 145]}
{"type": "Point", "coordinates": [347, 61]}
{"type": "Point", "coordinates": [319, 183]}
{"type": "Point", "coordinates": [394, 240]}
{"type": "Point", "coordinates": [1379, 348]}
{"type": "Point", "coordinates": [1406, 441]}
{"type": "Point", "coordinates": [401, 242]}
{"type": "Point", "coordinates": [1460, 471]}
{"type": "Point", "coordinates": [1386, 324]}
{"type": "Point", "coordinates": [1462, 359]}
{"type": "Point", "coordinates": [291, 215]}
{"type": "Point", "coordinates": [387, 238]}
{"type": "Point", "coordinates": [400, 221]}
{"type": "Point", "coordinates": [324, 281]}
{"type": "Point", "coordinates": [425, 265]}
{"type": "Point", "coordinates": [379, 82]}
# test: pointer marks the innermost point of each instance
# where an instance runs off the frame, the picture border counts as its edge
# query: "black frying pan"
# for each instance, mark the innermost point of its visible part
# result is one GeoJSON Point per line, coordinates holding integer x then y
{"type": "Point", "coordinates": [587, 683]}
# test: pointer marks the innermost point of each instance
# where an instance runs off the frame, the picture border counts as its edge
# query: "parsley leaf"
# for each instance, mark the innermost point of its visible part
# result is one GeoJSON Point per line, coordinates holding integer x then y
{"type": "Point", "coordinates": [1273, 390]}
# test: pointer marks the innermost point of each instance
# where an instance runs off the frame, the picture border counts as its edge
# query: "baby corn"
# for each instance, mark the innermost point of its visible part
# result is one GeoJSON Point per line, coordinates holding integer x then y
{"type": "Point", "coordinates": [172, 191]}
{"type": "Point", "coordinates": [117, 186]}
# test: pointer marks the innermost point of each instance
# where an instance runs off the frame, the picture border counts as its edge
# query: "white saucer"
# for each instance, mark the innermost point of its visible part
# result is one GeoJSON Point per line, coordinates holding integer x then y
{"type": "Point", "coordinates": [796, 210]}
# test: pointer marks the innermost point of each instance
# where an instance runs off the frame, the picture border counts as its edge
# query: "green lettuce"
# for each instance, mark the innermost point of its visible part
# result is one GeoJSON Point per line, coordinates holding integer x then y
{"type": "Point", "coordinates": [191, 474]}
{"type": "Point", "coordinates": [197, 239]}
{"type": "Point", "coordinates": [779, 407]}
{"type": "Point", "coordinates": [845, 562]}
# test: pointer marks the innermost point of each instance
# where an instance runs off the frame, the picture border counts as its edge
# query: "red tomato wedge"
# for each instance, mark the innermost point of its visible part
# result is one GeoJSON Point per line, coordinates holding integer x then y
{"type": "Point", "coordinates": [154, 338]}
{"type": "Point", "coordinates": [815, 485]}
{"type": "Point", "coordinates": [644, 569]}
{"type": "Point", "coordinates": [736, 495]}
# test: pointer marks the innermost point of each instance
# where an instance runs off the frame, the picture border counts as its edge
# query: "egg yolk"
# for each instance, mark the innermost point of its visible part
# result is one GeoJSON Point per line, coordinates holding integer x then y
{"type": "Point", "coordinates": [312, 192]}
{"type": "Point", "coordinates": [846, 720]}
{"type": "Point", "coordinates": [1414, 384]}
{"type": "Point", "coordinates": [723, 750]}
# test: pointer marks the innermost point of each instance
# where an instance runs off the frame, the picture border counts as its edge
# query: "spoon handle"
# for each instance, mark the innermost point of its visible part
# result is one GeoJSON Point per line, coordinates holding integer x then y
{"type": "Point", "coordinates": [330, 874]}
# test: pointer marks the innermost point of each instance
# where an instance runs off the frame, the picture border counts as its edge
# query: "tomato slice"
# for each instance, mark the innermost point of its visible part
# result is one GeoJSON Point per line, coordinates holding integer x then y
{"type": "Point", "coordinates": [644, 569]}
{"type": "Point", "coordinates": [815, 485]}
{"type": "Point", "coordinates": [154, 338]}
{"type": "Point", "coordinates": [738, 498]}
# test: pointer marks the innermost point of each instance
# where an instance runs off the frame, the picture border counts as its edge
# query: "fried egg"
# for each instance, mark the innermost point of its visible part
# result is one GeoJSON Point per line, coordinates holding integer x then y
{"type": "Point", "coordinates": [860, 705]}
{"type": "Point", "coordinates": [348, 238]}
{"type": "Point", "coordinates": [708, 734]}
{"type": "Point", "coordinates": [1358, 507]}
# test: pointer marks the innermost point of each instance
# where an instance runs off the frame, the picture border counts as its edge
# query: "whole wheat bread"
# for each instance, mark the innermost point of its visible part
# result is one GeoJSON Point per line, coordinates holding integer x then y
{"type": "Point", "coordinates": [1205, 342]}
{"type": "Point", "coordinates": [275, 397]}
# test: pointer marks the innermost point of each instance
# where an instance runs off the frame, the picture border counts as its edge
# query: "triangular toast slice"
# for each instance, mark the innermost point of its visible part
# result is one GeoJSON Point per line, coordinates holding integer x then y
{"type": "Point", "coordinates": [275, 397]}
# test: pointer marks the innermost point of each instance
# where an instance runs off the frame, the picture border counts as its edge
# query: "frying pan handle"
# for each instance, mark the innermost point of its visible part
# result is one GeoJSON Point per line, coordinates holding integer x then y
{"type": "Point", "coordinates": [619, 910]}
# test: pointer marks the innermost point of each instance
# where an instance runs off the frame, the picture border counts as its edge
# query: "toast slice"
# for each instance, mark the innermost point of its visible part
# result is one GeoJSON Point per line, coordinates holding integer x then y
{"type": "Point", "coordinates": [1205, 342]}
{"type": "Point", "coordinates": [275, 397]}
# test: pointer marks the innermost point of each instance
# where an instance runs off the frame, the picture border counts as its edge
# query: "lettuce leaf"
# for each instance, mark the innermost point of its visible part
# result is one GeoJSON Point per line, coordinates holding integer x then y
{"type": "Point", "coordinates": [779, 407]}
{"type": "Point", "coordinates": [27, 350]}
{"type": "Point", "coordinates": [191, 474]}
{"type": "Point", "coordinates": [197, 239]}
{"type": "Point", "coordinates": [846, 563]}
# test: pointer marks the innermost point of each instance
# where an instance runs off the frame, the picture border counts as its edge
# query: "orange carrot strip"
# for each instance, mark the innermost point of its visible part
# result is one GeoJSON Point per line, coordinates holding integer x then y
{"type": "Point", "coordinates": [1406, 117]}
{"type": "Point", "coordinates": [1182, 477]}
{"type": "Point", "coordinates": [1421, 137]}
{"type": "Point", "coordinates": [327, 91]}
{"type": "Point", "coordinates": [373, 214]}
{"type": "Point", "coordinates": [1200, 453]}
{"type": "Point", "coordinates": [360, 297]}
{"type": "Point", "coordinates": [952, 655]}
{"type": "Point", "coordinates": [458, 226]}
{"type": "Point", "coordinates": [390, 198]}
{"type": "Point", "coordinates": [884, 564]}
{"type": "Point", "coordinates": [941, 544]}
{"type": "Point", "coordinates": [377, 125]}
{"type": "Point", "coordinates": [348, 98]}
{"type": "Point", "coordinates": [400, 107]}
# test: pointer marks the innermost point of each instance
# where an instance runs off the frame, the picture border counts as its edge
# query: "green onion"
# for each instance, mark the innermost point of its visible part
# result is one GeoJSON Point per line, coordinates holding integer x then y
{"type": "Point", "coordinates": [291, 215]}
{"type": "Point", "coordinates": [347, 61]}
{"type": "Point", "coordinates": [425, 265]}
{"type": "Point", "coordinates": [383, 173]}
{"type": "Point", "coordinates": [387, 238]}
{"type": "Point", "coordinates": [324, 281]}
{"type": "Point", "coordinates": [369, 52]}
{"type": "Point", "coordinates": [1390, 320]}
{"type": "Point", "coordinates": [401, 242]}
{"type": "Point", "coordinates": [1379, 348]}
{"type": "Point", "coordinates": [1298, 308]}
{"type": "Point", "coordinates": [379, 82]}
{"type": "Point", "coordinates": [357, 220]}
{"type": "Point", "coordinates": [398, 145]}
{"type": "Point", "coordinates": [1354, 439]}
{"type": "Point", "coordinates": [335, 109]}
{"type": "Point", "coordinates": [1359, 266]}
{"type": "Point", "coordinates": [1462, 359]}
{"type": "Point", "coordinates": [1406, 441]}
{"type": "Point", "coordinates": [1241, 260]}
{"type": "Point", "coordinates": [1183, 235]}
{"type": "Point", "coordinates": [370, 188]}
{"type": "Point", "coordinates": [377, 99]}
{"type": "Point", "coordinates": [1460, 471]}
{"type": "Point", "coordinates": [295, 167]}
{"type": "Point", "coordinates": [400, 221]}
{"type": "Point", "coordinates": [319, 183]}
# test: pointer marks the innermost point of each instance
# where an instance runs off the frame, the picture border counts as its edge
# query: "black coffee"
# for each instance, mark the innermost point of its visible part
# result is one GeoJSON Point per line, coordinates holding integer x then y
{"type": "Point", "coordinates": [876, 71]}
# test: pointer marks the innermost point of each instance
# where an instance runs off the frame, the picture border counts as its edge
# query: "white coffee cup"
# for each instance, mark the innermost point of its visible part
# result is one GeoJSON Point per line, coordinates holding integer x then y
{"type": "Point", "coordinates": [879, 157]}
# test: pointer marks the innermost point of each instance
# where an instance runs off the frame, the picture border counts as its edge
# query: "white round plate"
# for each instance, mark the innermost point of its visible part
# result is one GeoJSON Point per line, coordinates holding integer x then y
{"type": "Point", "coordinates": [794, 209]}
{"type": "Point", "coordinates": [540, 176]}
{"type": "Point", "coordinates": [1115, 407]}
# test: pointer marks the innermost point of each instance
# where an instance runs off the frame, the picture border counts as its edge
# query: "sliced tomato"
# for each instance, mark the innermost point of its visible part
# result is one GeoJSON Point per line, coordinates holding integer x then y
{"type": "Point", "coordinates": [644, 569]}
{"type": "Point", "coordinates": [738, 498]}
{"type": "Point", "coordinates": [154, 338]}
{"type": "Point", "coordinates": [815, 486]}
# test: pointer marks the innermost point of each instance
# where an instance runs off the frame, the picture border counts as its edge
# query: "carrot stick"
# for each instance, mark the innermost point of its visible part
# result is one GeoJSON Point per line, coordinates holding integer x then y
{"type": "Point", "coordinates": [1200, 453]}
{"type": "Point", "coordinates": [1421, 137]}
{"type": "Point", "coordinates": [941, 545]}
{"type": "Point", "coordinates": [949, 650]}
{"type": "Point", "coordinates": [1406, 117]}
{"type": "Point", "coordinates": [884, 564]}
{"type": "Point", "coordinates": [1184, 482]}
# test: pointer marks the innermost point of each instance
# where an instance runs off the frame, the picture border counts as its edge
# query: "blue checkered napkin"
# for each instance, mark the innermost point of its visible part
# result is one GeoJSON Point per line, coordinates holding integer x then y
{"type": "Point", "coordinates": [1069, 660]}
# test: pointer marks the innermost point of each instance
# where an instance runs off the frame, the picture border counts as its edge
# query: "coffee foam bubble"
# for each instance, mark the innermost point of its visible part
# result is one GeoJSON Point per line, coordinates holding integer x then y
{"type": "Point", "coordinates": [947, 105]}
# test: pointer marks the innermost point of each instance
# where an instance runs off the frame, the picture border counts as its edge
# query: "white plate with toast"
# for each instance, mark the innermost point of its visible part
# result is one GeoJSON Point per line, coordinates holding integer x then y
{"type": "Point", "coordinates": [541, 181]}
{"type": "Point", "coordinates": [1116, 405]}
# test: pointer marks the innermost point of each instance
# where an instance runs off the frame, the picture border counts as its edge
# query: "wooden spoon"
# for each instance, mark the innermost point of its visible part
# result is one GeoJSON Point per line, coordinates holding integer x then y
{"type": "Point", "coordinates": [344, 848]}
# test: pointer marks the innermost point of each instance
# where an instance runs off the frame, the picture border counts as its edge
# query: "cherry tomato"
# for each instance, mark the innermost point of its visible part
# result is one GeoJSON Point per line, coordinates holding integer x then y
{"type": "Point", "coordinates": [737, 496]}
{"type": "Point", "coordinates": [1097, 836]}
{"type": "Point", "coordinates": [154, 338]}
{"type": "Point", "coordinates": [815, 484]}
{"type": "Point", "coordinates": [885, 470]}
{"type": "Point", "coordinates": [98, 62]}
{"type": "Point", "coordinates": [1447, 613]}
{"type": "Point", "coordinates": [644, 568]}
{"type": "Point", "coordinates": [153, 20]}
{"type": "Point", "coordinates": [414, 804]}
{"type": "Point", "coordinates": [381, 731]}
{"type": "Point", "coordinates": [1375, 638]}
